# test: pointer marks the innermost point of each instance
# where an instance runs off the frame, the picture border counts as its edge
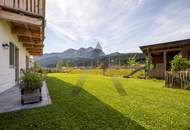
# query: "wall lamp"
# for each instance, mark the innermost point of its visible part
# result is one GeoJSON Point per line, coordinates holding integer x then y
{"type": "Point", "coordinates": [5, 45]}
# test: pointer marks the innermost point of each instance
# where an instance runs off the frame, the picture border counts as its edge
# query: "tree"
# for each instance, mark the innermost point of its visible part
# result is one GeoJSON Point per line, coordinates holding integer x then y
{"type": "Point", "coordinates": [179, 63]}
{"type": "Point", "coordinates": [36, 67]}
{"type": "Point", "coordinates": [132, 61]}
{"type": "Point", "coordinates": [59, 64]}
{"type": "Point", "coordinates": [148, 66]}
{"type": "Point", "coordinates": [105, 66]}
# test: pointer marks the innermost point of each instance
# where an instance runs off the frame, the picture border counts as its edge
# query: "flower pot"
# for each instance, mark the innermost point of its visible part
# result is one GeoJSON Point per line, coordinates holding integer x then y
{"type": "Point", "coordinates": [29, 96]}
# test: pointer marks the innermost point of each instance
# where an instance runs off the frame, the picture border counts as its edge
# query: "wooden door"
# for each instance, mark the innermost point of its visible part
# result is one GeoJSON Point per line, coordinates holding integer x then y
{"type": "Point", "coordinates": [16, 65]}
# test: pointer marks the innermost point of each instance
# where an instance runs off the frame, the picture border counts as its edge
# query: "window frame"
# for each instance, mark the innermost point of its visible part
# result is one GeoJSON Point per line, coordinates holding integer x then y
{"type": "Point", "coordinates": [11, 55]}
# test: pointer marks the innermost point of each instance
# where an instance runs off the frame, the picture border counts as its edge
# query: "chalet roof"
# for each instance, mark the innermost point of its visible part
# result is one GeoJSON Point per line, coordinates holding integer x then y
{"type": "Point", "coordinates": [166, 44]}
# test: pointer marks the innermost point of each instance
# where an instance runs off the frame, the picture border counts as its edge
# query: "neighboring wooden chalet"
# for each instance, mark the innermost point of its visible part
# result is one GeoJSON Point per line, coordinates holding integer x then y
{"type": "Point", "coordinates": [21, 36]}
{"type": "Point", "coordinates": [161, 54]}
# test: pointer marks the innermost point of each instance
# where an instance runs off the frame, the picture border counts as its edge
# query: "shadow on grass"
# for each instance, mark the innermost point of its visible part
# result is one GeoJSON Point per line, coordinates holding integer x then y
{"type": "Point", "coordinates": [83, 111]}
{"type": "Point", "coordinates": [119, 87]}
{"type": "Point", "coordinates": [80, 83]}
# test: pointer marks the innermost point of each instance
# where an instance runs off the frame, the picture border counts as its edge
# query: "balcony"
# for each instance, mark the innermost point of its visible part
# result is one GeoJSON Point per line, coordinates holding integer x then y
{"type": "Point", "coordinates": [27, 20]}
{"type": "Point", "coordinates": [28, 7]}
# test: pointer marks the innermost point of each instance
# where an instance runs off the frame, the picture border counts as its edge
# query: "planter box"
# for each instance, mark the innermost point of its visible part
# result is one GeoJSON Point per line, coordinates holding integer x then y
{"type": "Point", "coordinates": [31, 96]}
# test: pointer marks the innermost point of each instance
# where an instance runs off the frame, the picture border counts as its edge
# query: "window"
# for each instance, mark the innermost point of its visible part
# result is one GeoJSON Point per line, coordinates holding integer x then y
{"type": "Point", "coordinates": [27, 62]}
{"type": "Point", "coordinates": [11, 55]}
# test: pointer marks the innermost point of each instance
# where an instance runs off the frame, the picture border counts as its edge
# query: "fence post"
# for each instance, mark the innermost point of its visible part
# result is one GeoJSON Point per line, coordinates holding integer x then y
{"type": "Point", "coordinates": [179, 79]}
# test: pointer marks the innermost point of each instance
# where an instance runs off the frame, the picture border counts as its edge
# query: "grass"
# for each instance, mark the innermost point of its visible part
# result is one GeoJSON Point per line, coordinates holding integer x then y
{"type": "Point", "coordinates": [110, 72]}
{"type": "Point", "coordinates": [99, 104]}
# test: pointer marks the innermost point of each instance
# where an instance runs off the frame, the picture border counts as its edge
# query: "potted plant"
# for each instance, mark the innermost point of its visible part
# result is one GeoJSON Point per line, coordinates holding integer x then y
{"type": "Point", "coordinates": [30, 86]}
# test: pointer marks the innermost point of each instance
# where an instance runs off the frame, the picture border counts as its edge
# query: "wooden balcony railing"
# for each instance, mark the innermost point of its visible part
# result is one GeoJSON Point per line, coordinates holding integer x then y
{"type": "Point", "coordinates": [34, 7]}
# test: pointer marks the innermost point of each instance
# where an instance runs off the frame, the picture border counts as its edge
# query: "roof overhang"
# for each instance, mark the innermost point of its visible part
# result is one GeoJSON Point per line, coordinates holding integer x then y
{"type": "Point", "coordinates": [28, 28]}
{"type": "Point", "coordinates": [164, 46]}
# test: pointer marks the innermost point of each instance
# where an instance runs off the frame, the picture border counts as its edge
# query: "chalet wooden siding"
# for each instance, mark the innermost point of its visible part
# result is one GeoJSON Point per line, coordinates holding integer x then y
{"type": "Point", "coordinates": [161, 54]}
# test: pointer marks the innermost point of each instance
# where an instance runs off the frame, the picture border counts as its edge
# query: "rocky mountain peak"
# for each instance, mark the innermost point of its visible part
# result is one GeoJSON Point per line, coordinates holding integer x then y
{"type": "Point", "coordinates": [98, 46]}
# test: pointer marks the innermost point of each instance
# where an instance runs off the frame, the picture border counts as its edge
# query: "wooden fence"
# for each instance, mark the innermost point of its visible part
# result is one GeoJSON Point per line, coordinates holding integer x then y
{"type": "Point", "coordinates": [177, 79]}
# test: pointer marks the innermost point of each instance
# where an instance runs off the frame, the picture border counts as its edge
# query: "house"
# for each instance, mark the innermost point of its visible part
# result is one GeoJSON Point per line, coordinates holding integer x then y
{"type": "Point", "coordinates": [21, 36]}
{"type": "Point", "coordinates": [161, 54]}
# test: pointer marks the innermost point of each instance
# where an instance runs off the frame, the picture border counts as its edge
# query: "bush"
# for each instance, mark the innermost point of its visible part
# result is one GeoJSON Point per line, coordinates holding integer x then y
{"type": "Point", "coordinates": [132, 61]}
{"type": "Point", "coordinates": [179, 63]}
{"type": "Point", "coordinates": [36, 67]}
{"type": "Point", "coordinates": [31, 80]}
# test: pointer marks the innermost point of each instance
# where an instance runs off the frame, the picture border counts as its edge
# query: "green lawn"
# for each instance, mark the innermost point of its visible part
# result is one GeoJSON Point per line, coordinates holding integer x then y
{"type": "Point", "coordinates": [110, 72]}
{"type": "Point", "coordinates": [98, 102]}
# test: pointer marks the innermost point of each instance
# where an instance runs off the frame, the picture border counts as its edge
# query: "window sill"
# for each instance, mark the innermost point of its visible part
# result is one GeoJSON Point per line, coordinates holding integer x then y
{"type": "Point", "coordinates": [11, 66]}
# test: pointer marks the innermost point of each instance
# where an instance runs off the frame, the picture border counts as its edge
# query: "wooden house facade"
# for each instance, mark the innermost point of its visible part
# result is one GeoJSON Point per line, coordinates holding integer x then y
{"type": "Point", "coordinates": [22, 24]}
{"type": "Point", "coordinates": [161, 54]}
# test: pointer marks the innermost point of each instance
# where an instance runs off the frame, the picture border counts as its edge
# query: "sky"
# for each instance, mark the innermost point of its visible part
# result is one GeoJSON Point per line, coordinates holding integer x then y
{"type": "Point", "coordinates": [119, 25]}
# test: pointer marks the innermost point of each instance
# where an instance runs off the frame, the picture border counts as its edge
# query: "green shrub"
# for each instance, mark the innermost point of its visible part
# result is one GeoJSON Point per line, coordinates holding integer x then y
{"type": "Point", "coordinates": [31, 80]}
{"type": "Point", "coordinates": [132, 61]}
{"type": "Point", "coordinates": [36, 67]}
{"type": "Point", "coordinates": [179, 63]}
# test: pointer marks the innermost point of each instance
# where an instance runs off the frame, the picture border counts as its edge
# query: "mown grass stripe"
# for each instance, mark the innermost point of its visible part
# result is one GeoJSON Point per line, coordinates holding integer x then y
{"type": "Point", "coordinates": [119, 86]}
{"type": "Point", "coordinates": [80, 83]}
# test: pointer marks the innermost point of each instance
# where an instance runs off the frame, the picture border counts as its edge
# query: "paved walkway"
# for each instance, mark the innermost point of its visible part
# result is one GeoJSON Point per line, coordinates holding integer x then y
{"type": "Point", "coordinates": [10, 100]}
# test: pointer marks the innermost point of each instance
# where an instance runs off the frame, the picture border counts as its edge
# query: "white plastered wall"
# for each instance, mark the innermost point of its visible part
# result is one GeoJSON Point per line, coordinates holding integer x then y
{"type": "Point", "coordinates": [7, 74]}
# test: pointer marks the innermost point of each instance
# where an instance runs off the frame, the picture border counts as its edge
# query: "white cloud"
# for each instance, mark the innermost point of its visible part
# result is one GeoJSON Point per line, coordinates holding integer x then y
{"type": "Point", "coordinates": [120, 25]}
{"type": "Point", "coordinates": [60, 32]}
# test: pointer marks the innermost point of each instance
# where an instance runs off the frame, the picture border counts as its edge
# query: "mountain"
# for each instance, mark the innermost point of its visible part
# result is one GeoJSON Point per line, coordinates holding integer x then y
{"type": "Point", "coordinates": [115, 54]}
{"type": "Point", "coordinates": [86, 57]}
{"type": "Point", "coordinates": [98, 46]}
{"type": "Point", "coordinates": [71, 54]}
{"type": "Point", "coordinates": [48, 61]}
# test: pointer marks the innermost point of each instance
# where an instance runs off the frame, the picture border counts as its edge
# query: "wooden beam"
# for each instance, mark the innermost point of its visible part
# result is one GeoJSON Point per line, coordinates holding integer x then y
{"type": "Point", "coordinates": [16, 29]}
{"type": "Point", "coordinates": [184, 51]}
{"type": "Point", "coordinates": [18, 18]}
{"type": "Point", "coordinates": [167, 50]}
{"type": "Point", "coordinates": [26, 40]}
{"type": "Point", "coordinates": [43, 7]}
{"type": "Point", "coordinates": [149, 61]}
{"type": "Point", "coordinates": [31, 27]}
{"type": "Point", "coordinates": [33, 45]}
{"type": "Point", "coordinates": [26, 36]}
{"type": "Point", "coordinates": [25, 33]}
{"type": "Point", "coordinates": [36, 52]}
{"type": "Point", "coordinates": [165, 60]}
{"type": "Point", "coordinates": [34, 48]}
